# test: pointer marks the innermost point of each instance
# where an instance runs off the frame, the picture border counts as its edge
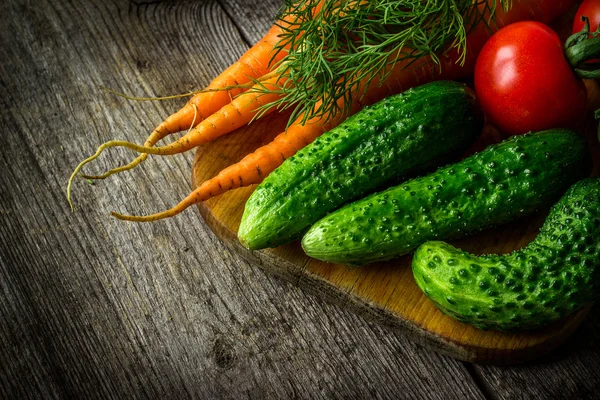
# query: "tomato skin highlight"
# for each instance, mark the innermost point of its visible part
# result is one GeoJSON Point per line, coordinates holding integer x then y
{"type": "Point", "coordinates": [590, 9]}
{"type": "Point", "coordinates": [524, 82]}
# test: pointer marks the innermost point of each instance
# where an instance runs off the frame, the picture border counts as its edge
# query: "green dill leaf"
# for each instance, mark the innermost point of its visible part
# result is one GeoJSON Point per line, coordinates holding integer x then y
{"type": "Point", "coordinates": [337, 47]}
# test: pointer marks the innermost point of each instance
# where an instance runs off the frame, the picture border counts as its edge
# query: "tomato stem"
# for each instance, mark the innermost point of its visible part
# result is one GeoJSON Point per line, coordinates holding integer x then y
{"type": "Point", "coordinates": [583, 47]}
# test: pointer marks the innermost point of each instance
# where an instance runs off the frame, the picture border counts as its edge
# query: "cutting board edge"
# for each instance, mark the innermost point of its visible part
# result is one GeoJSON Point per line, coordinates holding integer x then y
{"type": "Point", "coordinates": [316, 285]}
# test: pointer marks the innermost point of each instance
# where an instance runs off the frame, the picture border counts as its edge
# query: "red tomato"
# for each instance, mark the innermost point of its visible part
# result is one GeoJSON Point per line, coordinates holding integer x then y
{"type": "Point", "coordinates": [524, 82]}
{"type": "Point", "coordinates": [590, 9]}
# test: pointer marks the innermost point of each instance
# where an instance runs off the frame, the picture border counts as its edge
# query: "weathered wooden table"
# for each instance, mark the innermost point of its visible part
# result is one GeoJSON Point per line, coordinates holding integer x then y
{"type": "Point", "coordinates": [92, 307]}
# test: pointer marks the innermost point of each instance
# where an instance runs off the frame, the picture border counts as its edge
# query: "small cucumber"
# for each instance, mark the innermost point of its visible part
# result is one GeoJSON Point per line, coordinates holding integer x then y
{"type": "Point", "coordinates": [553, 276]}
{"type": "Point", "coordinates": [499, 184]}
{"type": "Point", "coordinates": [400, 136]}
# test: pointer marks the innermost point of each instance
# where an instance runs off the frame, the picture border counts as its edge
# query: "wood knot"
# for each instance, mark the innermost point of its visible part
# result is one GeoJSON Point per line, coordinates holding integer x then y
{"type": "Point", "coordinates": [223, 353]}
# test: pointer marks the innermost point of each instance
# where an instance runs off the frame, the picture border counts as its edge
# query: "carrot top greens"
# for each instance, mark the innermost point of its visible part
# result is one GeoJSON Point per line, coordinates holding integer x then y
{"type": "Point", "coordinates": [337, 45]}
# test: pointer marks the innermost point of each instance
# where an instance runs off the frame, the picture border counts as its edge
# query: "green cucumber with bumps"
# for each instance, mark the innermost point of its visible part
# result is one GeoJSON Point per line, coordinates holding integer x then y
{"type": "Point", "coordinates": [399, 137]}
{"type": "Point", "coordinates": [501, 183]}
{"type": "Point", "coordinates": [554, 276]}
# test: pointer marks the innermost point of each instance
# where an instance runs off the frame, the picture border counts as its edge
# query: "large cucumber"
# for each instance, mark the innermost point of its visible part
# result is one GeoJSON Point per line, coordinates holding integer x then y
{"type": "Point", "coordinates": [501, 183]}
{"type": "Point", "coordinates": [398, 137]}
{"type": "Point", "coordinates": [553, 276]}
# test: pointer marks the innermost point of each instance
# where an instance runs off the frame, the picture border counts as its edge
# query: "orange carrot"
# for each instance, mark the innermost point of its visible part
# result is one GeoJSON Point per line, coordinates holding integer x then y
{"type": "Point", "coordinates": [229, 118]}
{"type": "Point", "coordinates": [257, 62]}
{"type": "Point", "coordinates": [257, 65]}
{"type": "Point", "coordinates": [254, 167]}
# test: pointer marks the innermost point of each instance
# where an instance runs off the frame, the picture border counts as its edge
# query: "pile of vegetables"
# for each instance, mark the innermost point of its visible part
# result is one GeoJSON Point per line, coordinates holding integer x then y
{"type": "Point", "coordinates": [351, 174]}
{"type": "Point", "coordinates": [292, 66]}
{"type": "Point", "coordinates": [401, 136]}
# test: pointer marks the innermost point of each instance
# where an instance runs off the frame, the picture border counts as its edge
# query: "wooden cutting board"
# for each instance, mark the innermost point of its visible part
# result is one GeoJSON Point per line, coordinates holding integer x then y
{"type": "Point", "coordinates": [386, 291]}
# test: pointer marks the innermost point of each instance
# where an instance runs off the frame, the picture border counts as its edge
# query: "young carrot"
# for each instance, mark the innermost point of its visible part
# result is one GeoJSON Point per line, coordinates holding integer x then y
{"type": "Point", "coordinates": [232, 116]}
{"type": "Point", "coordinates": [250, 170]}
{"type": "Point", "coordinates": [254, 167]}
{"type": "Point", "coordinates": [257, 62]}
{"type": "Point", "coordinates": [258, 65]}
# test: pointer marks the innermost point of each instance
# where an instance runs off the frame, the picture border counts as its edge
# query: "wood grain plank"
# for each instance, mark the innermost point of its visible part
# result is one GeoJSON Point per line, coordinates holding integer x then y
{"type": "Point", "coordinates": [96, 308]}
{"type": "Point", "coordinates": [571, 372]}
{"type": "Point", "coordinates": [252, 16]}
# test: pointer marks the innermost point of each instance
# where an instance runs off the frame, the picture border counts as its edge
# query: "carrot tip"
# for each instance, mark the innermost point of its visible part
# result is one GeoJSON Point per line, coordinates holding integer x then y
{"type": "Point", "coordinates": [120, 216]}
{"type": "Point", "coordinates": [136, 218]}
{"type": "Point", "coordinates": [118, 170]}
{"type": "Point", "coordinates": [171, 97]}
{"type": "Point", "coordinates": [79, 167]}
{"type": "Point", "coordinates": [112, 143]}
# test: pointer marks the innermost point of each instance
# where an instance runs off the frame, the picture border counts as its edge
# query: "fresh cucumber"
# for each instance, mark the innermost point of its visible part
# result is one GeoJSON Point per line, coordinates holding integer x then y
{"type": "Point", "coordinates": [553, 276]}
{"type": "Point", "coordinates": [501, 183]}
{"type": "Point", "coordinates": [398, 137]}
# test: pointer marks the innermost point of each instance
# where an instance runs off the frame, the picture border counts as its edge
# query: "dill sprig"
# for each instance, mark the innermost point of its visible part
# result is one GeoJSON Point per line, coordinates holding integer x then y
{"type": "Point", "coordinates": [335, 47]}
